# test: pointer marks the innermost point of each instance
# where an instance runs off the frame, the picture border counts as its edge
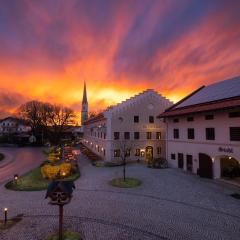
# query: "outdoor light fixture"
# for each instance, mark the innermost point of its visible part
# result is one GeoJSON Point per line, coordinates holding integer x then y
{"type": "Point", "coordinates": [15, 177]}
{"type": "Point", "coordinates": [5, 215]}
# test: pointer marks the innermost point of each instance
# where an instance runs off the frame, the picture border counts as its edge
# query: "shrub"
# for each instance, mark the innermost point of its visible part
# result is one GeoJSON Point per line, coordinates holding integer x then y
{"type": "Point", "coordinates": [54, 172]}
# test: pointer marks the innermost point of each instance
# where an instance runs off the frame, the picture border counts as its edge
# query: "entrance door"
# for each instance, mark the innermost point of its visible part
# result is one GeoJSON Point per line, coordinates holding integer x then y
{"type": "Point", "coordinates": [149, 154]}
{"type": "Point", "coordinates": [180, 160]}
{"type": "Point", "coordinates": [189, 163]}
{"type": "Point", "coordinates": [205, 166]}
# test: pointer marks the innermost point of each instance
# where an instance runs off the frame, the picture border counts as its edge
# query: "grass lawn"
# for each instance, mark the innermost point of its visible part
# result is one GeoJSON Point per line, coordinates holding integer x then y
{"type": "Point", "coordinates": [10, 222]}
{"type": "Point", "coordinates": [1, 156]}
{"type": "Point", "coordinates": [33, 181]}
{"type": "Point", "coordinates": [67, 235]}
{"type": "Point", "coordinates": [128, 183]}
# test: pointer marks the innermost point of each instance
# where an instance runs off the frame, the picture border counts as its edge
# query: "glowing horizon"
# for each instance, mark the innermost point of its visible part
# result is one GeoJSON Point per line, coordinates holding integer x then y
{"type": "Point", "coordinates": [120, 48]}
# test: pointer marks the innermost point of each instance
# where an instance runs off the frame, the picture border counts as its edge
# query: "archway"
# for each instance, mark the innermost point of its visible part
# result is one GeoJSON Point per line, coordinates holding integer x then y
{"type": "Point", "coordinates": [226, 166]}
{"type": "Point", "coordinates": [205, 166]}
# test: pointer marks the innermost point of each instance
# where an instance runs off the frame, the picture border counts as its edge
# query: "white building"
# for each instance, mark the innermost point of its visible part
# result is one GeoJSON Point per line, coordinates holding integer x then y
{"type": "Point", "coordinates": [131, 124]}
{"type": "Point", "coordinates": [203, 129]}
{"type": "Point", "coordinates": [11, 125]}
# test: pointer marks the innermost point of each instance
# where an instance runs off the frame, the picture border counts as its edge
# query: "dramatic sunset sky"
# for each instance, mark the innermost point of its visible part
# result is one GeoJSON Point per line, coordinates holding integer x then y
{"type": "Point", "coordinates": [120, 47]}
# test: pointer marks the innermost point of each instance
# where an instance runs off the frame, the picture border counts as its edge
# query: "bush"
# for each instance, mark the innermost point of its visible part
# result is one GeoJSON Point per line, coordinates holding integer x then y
{"type": "Point", "coordinates": [55, 172]}
{"type": "Point", "coordinates": [231, 171]}
{"type": "Point", "coordinates": [158, 163]}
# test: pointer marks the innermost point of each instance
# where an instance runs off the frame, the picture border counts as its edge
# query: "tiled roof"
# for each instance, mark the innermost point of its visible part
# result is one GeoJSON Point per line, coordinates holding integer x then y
{"type": "Point", "coordinates": [204, 107]}
{"type": "Point", "coordinates": [221, 95]}
{"type": "Point", "coordinates": [222, 90]}
{"type": "Point", "coordinates": [96, 118]}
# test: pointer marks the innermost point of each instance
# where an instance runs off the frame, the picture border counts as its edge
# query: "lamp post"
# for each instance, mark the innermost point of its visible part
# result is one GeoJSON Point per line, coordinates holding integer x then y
{"type": "Point", "coordinates": [5, 215]}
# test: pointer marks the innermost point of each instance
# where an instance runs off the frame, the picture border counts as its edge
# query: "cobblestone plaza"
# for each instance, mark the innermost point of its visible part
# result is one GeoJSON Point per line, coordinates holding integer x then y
{"type": "Point", "coordinates": [170, 204]}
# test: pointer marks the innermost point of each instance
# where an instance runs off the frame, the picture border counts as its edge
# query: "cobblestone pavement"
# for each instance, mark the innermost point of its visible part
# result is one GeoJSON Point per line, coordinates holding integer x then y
{"type": "Point", "coordinates": [170, 204]}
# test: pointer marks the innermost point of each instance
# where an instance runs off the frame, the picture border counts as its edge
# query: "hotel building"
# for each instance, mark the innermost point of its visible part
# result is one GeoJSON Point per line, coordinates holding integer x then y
{"type": "Point", "coordinates": [131, 123]}
{"type": "Point", "coordinates": [203, 129]}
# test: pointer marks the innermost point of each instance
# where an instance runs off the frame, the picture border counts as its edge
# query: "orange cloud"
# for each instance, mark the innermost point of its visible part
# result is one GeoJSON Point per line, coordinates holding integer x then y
{"type": "Point", "coordinates": [119, 48]}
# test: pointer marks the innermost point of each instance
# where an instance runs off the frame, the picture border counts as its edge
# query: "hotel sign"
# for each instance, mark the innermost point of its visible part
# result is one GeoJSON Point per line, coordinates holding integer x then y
{"type": "Point", "coordinates": [225, 149]}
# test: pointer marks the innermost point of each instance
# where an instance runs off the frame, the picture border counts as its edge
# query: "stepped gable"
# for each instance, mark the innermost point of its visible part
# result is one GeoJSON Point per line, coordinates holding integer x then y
{"type": "Point", "coordinates": [126, 103]}
{"type": "Point", "coordinates": [136, 98]}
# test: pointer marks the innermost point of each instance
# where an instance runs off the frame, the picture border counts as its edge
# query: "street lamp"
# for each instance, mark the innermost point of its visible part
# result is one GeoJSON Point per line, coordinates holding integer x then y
{"type": "Point", "coordinates": [15, 177]}
{"type": "Point", "coordinates": [5, 215]}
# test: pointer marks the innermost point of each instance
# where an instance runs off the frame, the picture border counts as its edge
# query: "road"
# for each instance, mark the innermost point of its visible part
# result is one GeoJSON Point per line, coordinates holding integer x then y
{"type": "Point", "coordinates": [21, 161]}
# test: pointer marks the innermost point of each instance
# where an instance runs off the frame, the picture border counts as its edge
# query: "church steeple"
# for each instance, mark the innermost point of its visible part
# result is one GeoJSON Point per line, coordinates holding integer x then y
{"type": "Point", "coordinates": [84, 112]}
{"type": "Point", "coordinates": [84, 100]}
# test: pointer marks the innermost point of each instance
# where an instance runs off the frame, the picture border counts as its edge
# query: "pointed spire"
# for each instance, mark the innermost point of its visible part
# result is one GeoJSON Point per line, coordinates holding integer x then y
{"type": "Point", "coordinates": [84, 100]}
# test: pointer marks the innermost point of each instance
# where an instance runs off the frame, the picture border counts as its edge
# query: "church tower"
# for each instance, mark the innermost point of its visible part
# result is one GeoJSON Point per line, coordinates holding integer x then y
{"type": "Point", "coordinates": [84, 112]}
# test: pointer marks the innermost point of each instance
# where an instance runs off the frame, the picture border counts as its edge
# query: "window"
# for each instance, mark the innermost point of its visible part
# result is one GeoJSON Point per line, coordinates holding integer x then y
{"type": "Point", "coordinates": [104, 152]}
{"type": "Point", "coordinates": [126, 135]}
{"type": "Point", "coordinates": [149, 135]}
{"type": "Point", "coordinates": [176, 120]}
{"type": "Point", "coordinates": [159, 150]}
{"type": "Point", "coordinates": [101, 134]}
{"type": "Point", "coordinates": [127, 153]}
{"type": "Point", "coordinates": [158, 135]}
{"type": "Point", "coordinates": [117, 153]}
{"type": "Point", "coordinates": [98, 134]}
{"type": "Point", "coordinates": [190, 133]}
{"type": "Point", "coordinates": [136, 119]}
{"type": "Point", "coordinates": [175, 133]}
{"type": "Point", "coordinates": [137, 153]}
{"type": "Point", "coordinates": [116, 135]}
{"type": "Point", "coordinates": [210, 133]}
{"type": "Point", "coordinates": [234, 133]}
{"type": "Point", "coordinates": [151, 119]}
{"type": "Point", "coordinates": [136, 135]}
{"type": "Point", "coordinates": [209, 117]}
{"type": "Point", "coordinates": [173, 156]}
{"type": "Point", "coordinates": [104, 135]}
{"type": "Point", "coordinates": [234, 114]}
{"type": "Point", "coordinates": [190, 119]}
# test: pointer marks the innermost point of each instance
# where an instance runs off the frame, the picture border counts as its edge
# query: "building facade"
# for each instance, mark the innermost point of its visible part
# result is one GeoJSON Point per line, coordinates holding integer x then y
{"type": "Point", "coordinates": [131, 125]}
{"type": "Point", "coordinates": [203, 129]}
{"type": "Point", "coordinates": [11, 125]}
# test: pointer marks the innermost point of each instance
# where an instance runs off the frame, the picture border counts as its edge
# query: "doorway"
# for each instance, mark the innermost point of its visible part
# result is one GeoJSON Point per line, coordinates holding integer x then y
{"type": "Point", "coordinates": [189, 163]}
{"type": "Point", "coordinates": [180, 160]}
{"type": "Point", "coordinates": [205, 166]}
{"type": "Point", "coordinates": [149, 154]}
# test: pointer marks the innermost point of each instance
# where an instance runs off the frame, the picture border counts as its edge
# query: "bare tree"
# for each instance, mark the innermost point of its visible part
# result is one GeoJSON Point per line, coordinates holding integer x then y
{"type": "Point", "coordinates": [31, 112]}
{"type": "Point", "coordinates": [125, 148]}
{"type": "Point", "coordinates": [48, 118]}
{"type": "Point", "coordinates": [94, 113]}
{"type": "Point", "coordinates": [60, 118]}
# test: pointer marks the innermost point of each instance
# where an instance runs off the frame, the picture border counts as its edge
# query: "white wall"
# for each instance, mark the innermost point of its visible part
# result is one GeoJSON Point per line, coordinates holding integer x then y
{"type": "Point", "coordinates": [221, 123]}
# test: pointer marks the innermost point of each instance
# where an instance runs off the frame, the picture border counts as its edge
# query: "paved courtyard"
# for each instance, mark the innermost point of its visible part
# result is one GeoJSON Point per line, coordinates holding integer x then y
{"type": "Point", "coordinates": [170, 204]}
